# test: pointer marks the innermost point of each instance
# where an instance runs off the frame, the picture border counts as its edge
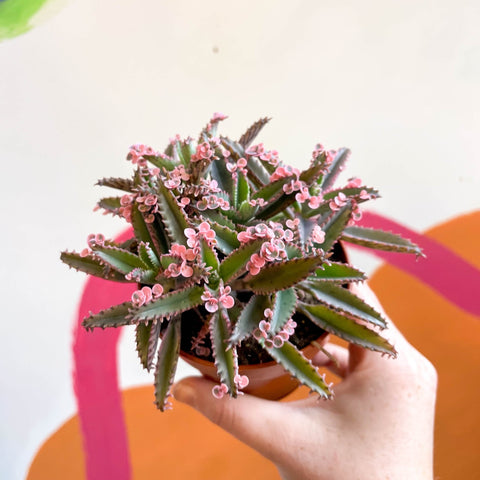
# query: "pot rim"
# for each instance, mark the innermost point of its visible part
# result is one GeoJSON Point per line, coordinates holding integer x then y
{"type": "Point", "coordinates": [208, 363]}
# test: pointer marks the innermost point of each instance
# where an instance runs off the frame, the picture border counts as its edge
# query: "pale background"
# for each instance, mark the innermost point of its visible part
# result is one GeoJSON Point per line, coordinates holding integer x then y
{"type": "Point", "coordinates": [398, 82]}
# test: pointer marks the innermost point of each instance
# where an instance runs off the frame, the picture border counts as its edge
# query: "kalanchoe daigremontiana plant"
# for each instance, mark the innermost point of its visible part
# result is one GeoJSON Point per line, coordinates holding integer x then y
{"type": "Point", "coordinates": [231, 249]}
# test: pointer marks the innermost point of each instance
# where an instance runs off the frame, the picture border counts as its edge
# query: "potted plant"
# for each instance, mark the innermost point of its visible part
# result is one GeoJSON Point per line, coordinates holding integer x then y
{"type": "Point", "coordinates": [238, 260]}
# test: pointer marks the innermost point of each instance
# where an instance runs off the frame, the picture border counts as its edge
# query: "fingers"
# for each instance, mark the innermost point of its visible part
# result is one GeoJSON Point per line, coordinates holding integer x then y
{"type": "Point", "coordinates": [252, 420]}
{"type": "Point", "coordinates": [334, 357]}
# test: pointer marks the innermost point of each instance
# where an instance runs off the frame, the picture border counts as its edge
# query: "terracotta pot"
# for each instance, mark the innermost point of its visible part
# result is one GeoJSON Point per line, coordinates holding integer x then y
{"type": "Point", "coordinates": [267, 380]}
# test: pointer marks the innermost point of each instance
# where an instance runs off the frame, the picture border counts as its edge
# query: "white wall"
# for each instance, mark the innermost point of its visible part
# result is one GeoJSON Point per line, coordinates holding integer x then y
{"type": "Point", "coordinates": [398, 82]}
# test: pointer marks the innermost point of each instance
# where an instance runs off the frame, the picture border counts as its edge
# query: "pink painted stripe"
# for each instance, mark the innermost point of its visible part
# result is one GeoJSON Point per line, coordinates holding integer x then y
{"type": "Point", "coordinates": [450, 275]}
{"type": "Point", "coordinates": [95, 381]}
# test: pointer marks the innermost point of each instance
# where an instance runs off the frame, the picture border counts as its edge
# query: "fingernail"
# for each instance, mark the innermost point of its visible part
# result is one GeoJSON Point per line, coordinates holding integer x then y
{"type": "Point", "coordinates": [184, 393]}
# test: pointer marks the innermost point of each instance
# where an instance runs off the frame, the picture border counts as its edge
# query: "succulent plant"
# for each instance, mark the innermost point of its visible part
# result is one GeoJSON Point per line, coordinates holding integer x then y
{"type": "Point", "coordinates": [232, 254]}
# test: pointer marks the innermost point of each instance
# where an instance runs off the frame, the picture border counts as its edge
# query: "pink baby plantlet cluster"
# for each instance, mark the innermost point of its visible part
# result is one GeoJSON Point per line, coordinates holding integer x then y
{"type": "Point", "coordinates": [235, 255]}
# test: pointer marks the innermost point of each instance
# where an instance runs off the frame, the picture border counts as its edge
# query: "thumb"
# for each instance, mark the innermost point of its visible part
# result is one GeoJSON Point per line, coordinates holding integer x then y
{"type": "Point", "coordinates": [252, 420]}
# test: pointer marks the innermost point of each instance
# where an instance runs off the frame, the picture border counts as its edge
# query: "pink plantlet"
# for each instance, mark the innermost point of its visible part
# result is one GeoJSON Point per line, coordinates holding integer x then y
{"type": "Point", "coordinates": [211, 303]}
{"type": "Point", "coordinates": [258, 334]}
{"type": "Point", "coordinates": [207, 233]}
{"type": "Point", "coordinates": [255, 264]}
{"type": "Point", "coordinates": [284, 335]}
{"type": "Point", "coordinates": [192, 237]}
{"type": "Point", "coordinates": [278, 341]}
{"type": "Point", "coordinates": [315, 201]}
{"type": "Point", "coordinates": [141, 297]}
{"type": "Point", "coordinates": [85, 252]}
{"type": "Point", "coordinates": [241, 381]}
{"type": "Point", "coordinates": [292, 223]}
{"type": "Point", "coordinates": [255, 150]}
{"type": "Point", "coordinates": [244, 237]}
{"type": "Point", "coordinates": [270, 252]}
{"type": "Point", "coordinates": [172, 183]}
{"type": "Point", "coordinates": [339, 201]}
{"type": "Point", "coordinates": [151, 200]}
{"type": "Point", "coordinates": [354, 183]}
{"type": "Point", "coordinates": [318, 235]}
{"type": "Point", "coordinates": [184, 201]}
{"type": "Point", "coordinates": [203, 152]}
{"type": "Point", "coordinates": [186, 270]}
{"type": "Point", "coordinates": [217, 116]}
{"type": "Point", "coordinates": [303, 195]}
{"type": "Point", "coordinates": [219, 391]}
{"type": "Point", "coordinates": [150, 218]}
{"type": "Point", "coordinates": [264, 326]}
{"type": "Point", "coordinates": [268, 312]}
{"type": "Point", "coordinates": [225, 153]}
{"type": "Point", "coordinates": [202, 204]}
{"type": "Point", "coordinates": [126, 200]}
{"type": "Point", "coordinates": [269, 343]}
{"type": "Point", "coordinates": [157, 290]}
{"type": "Point", "coordinates": [357, 214]}
{"type": "Point", "coordinates": [364, 195]}
{"type": "Point", "coordinates": [225, 298]}
{"type": "Point", "coordinates": [96, 239]}
{"type": "Point", "coordinates": [289, 236]}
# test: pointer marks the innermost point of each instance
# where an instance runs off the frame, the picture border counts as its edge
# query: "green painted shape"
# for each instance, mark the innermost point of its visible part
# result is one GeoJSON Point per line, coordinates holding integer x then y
{"type": "Point", "coordinates": [16, 16]}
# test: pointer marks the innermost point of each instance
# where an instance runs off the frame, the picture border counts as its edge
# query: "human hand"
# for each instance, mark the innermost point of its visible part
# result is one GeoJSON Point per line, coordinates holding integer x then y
{"type": "Point", "coordinates": [378, 426]}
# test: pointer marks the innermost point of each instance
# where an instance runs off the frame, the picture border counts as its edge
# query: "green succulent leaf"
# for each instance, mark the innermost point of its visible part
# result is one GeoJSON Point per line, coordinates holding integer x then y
{"type": "Point", "coordinates": [227, 240]}
{"type": "Point", "coordinates": [352, 192]}
{"type": "Point", "coordinates": [110, 204]}
{"type": "Point", "coordinates": [153, 234]}
{"type": "Point", "coordinates": [305, 228]}
{"type": "Point", "coordinates": [345, 302]}
{"type": "Point", "coordinates": [219, 172]}
{"type": "Point", "coordinates": [165, 161]}
{"type": "Point", "coordinates": [369, 237]}
{"type": "Point", "coordinates": [118, 183]}
{"type": "Point", "coordinates": [346, 328]}
{"type": "Point", "coordinates": [167, 361]}
{"type": "Point", "coordinates": [147, 255]}
{"type": "Point", "coordinates": [272, 190]}
{"type": "Point", "coordinates": [116, 316]}
{"type": "Point", "coordinates": [276, 205]}
{"type": "Point", "coordinates": [312, 174]}
{"type": "Point", "coordinates": [335, 168]}
{"type": "Point", "coordinates": [236, 150]}
{"type": "Point", "coordinates": [171, 304]}
{"type": "Point", "coordinates": [300, 367]}
{"type": "Point", "coordinates": [334, 226]}
{"type": "Point", "coordinates": [121, 260]}
{"type": "Point", "coordinates": [242, 190]}
{"type": "Point", "coordinates": [234, 264]}
{"type": "Point", "coordinates": [182, 152]}
{"type": "Point", "coordinates": [225, 357]}
{"type": "Point", "coordinates": [173, 216]}
{"type": "Point", "coordinates": [209, 257]}
{"type": "Point", "coordinates": [250, 317]}
{"type": "Point", "coordinates": [92, 266]}
{"type": "Point", "coordinates": [142, 337]}
{"type": "Point", "coordinates": [257, 172]}
{"type": "Point", "coordinates": [283, 309]}
{"type": "Point", "coordinates": [281, 275]}
{"type": "Point", "coordinates": [216, 217]}
{"type": "Point", "coordinates": [339, 273]}
{"type": "Point", "coordinates": [249, 136]}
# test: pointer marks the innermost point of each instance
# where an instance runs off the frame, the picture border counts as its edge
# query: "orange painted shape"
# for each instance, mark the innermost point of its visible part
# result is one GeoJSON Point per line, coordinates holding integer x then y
{"type": "Point", "coordinates": [450, 338]}
{"type": "Point", "coordinates": [183, 445]}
